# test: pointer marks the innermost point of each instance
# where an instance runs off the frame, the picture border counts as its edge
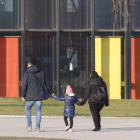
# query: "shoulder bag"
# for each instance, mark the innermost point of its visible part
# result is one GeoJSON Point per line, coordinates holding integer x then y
{"type": "Point", "coordinates": [44, 87]}
{"type": "Point", "coordinates": [101, 93]}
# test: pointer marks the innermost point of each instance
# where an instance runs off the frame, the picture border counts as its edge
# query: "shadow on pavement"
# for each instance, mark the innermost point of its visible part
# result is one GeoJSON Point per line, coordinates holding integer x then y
{"type": "Point", "coordinates": [121, 129]}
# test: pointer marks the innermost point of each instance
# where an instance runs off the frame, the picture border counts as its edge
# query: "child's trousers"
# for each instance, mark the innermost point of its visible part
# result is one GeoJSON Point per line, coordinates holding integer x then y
{"type": "Point", "coordinates": [66, 121]}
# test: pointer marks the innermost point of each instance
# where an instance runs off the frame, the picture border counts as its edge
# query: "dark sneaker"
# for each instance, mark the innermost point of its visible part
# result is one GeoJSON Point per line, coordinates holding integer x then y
{"type": "Point", "coordinates": [96, 129]}
{"type": "Point", "coordinates": [28, 128]}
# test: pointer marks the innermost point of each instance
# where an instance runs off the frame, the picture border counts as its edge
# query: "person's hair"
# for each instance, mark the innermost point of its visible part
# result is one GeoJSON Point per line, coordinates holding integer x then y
{"type": "Point", "coordinates": [93, 75]}
{"type": "Point", "coordinates": [32, 61]}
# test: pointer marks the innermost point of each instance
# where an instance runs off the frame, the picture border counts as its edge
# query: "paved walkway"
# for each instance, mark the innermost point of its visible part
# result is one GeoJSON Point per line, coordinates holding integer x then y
{"type": "Point", "coordinates": [53, 127]}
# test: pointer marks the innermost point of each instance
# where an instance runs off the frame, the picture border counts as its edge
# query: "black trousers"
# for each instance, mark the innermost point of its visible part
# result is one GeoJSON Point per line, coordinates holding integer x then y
{"type": "Point", "coordinates": [95, 109]}
{"type": "Point", "coordinates": [66, 121]}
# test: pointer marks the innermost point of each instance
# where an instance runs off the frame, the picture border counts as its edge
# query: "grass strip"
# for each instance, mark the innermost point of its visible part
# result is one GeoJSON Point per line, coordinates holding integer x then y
{"type": "Point", "coordinates": [26, 138]}
{"type": "Point", "coordinates": [51, 107]}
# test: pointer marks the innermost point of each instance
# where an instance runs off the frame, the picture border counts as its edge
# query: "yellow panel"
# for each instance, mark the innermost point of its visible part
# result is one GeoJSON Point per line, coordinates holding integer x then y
{"type": "Point", "coordinates": [108, 64]}
{"type": "Point", "coordinates": [115, 68]}
{"type": "Point", "coordinates": [98, 55]}
{"type": "Point", "coordinates": [105, 63]}
{"type": "Point", "coordinates": [102, 59]}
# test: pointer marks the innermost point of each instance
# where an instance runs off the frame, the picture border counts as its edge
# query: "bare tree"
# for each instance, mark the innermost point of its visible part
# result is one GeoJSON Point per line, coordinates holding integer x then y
{"type": "Point", "coordinates": [117, 6]}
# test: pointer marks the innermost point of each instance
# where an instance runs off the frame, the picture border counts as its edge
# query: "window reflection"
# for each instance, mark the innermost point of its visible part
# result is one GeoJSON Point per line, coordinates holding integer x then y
{"type": "Point", "coordinates": [39, 46]}
{"type": "Point", "coordinates": [135, 14]}
{"type": "Point", "coordinates": [9, 14]}
{"type": "Point", "coordinates": [73, 58]}
{"type": "Point", "coordinates": [40, 14]}
{"type": "Point", "coordinates": [75, 14]}
{"type": "Point", "coordinates": [105, 16]}
{"type": "Point", "coordinates": [8, 5]}
{"type": "Point", "coordinates": [72, 6]}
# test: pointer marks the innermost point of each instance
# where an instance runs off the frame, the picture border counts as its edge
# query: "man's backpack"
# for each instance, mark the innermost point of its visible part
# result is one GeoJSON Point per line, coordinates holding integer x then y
{"type": "Point", "coordinates": [101, 92]}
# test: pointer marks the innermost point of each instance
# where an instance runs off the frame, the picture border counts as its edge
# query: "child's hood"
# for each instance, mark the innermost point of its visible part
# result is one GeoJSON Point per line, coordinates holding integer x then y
{"type": "Point", "coordinates": [71, 94]}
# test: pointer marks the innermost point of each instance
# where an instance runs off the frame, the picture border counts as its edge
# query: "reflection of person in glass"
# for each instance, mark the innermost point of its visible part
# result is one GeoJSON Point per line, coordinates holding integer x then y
{"type": "Point", "coordinates": [80, 82]}
{"type": "Point", "coordinates": [64, 72]}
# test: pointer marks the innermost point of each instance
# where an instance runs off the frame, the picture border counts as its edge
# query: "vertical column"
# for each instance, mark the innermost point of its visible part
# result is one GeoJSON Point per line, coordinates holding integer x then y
{"type": "Point", "coordinates": [98, 55]}
{"type": "Point", "coordinates": [127, 8]}
{"type": "Point", "coordinates": [3, 67]}
{"type": "Point", "coordinates": [108, 64]}
{"type": "Point", "coordinates": [129, 39]}
{"type": "Point", "coordinates": [135, 68]}
{"type": "Point", "coordinates": [9, 69]}
{"type": "Point", "coordinates": [57, 45]}
{"type": "Point", "coordinates": [105, 62]}
{"type": "Point", "coordinates": [115, 68]}
{"type": "Point", "coordinates": [88, 48]}
{"type": "Point", "coordinates": [23, 27]}
{"type": "Point", "coordinates": [102, 55]}
{"type": "Point", "coordinates": [93, 35]}
{"type": "Point", "coordinates": [12, 78]}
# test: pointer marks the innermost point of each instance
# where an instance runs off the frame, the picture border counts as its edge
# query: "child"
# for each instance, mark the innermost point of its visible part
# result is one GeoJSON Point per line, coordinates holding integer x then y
{"type": "Point", "coordinates": [69, 109]}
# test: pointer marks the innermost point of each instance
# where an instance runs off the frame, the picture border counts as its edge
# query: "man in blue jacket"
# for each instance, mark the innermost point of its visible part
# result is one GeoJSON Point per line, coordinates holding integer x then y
{"type": "Point", "coordinates": [33, 92]}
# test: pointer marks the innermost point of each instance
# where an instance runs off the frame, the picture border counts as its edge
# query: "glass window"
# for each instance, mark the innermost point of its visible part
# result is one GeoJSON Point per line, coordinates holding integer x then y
{"type": "Point", "coordinates": [8, 5]}
{"type": "Point", "coordinates": [104, 17]}
{"type": "Point", "coordinates": [9, 14]}
{"type": "Point", "coordinates": [39, 46]}
{"type": "Point", "coordinates": [135, 14]}
{"type": "Point", "coordinates": [75, 14]}
{"type": "Point", "coordinates": [73, 61]}
{"type": "Point", "coordinates": [40, 14]}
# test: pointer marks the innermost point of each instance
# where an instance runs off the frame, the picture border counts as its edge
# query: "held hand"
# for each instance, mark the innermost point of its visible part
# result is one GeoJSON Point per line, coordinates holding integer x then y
{"type": "Point", "coordinates": [23, 99]}
{"type": "Point", "coordinates": [52, 94]}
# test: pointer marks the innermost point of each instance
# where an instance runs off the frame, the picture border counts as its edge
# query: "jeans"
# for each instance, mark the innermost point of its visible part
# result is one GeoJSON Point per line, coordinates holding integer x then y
{"type": "Point", "coordinates": [28, 106]}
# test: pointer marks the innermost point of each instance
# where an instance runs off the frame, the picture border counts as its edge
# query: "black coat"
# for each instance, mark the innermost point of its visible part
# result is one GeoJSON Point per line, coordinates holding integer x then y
{"type": "Point", "coordinates": [32, 90]}
{"type": "Point", "coordinates": [91, 90]}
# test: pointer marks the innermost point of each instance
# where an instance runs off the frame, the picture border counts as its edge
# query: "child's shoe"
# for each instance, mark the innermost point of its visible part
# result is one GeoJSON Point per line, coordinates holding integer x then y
{"type": "Point", "coordinates": [67, 128]}
{"type": "Point", "coordinates": [70, 130]}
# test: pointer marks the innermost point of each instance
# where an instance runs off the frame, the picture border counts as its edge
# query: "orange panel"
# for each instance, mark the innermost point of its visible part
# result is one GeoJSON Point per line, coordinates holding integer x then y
{"type": "Point", "coordinates": [3, 67]}
{"type": "Point", "coordinates": [12, 87]}
{"type": "Point", "coordinates": [135, 68]}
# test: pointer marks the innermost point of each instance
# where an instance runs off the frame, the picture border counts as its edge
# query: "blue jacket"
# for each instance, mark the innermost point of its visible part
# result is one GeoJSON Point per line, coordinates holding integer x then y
{"type": "Point", "coordinates": [69, 109]}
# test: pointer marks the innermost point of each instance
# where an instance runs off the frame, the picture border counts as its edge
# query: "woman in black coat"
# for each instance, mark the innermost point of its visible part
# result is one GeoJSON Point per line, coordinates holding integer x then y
{"type": "Point", "coordinates": [95, 105]}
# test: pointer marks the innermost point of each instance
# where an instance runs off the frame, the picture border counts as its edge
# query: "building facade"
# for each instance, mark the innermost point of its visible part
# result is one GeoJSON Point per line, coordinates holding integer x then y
{"type": "Point", "coordinates": [69, 39]}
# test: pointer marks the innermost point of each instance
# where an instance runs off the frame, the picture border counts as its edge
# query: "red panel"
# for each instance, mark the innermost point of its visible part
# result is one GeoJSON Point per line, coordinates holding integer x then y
{"type": "Point", "coordinates": [12, 87]}
{"type": "Point", "coordinates": [3, 67]}
{"type": "Point", "coordinates": [135, 68]}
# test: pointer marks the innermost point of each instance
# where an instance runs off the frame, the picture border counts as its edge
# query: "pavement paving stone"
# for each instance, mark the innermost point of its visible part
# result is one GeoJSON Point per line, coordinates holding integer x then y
{"type": "Point", "coordinates": [53, 127]}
